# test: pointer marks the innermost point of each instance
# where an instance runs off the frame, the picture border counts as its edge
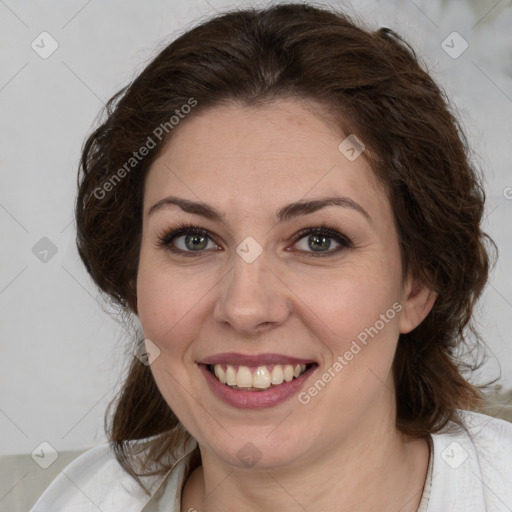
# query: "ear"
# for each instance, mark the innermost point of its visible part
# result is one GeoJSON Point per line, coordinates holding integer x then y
{"type": "Point", "coordinates": [417, 301]}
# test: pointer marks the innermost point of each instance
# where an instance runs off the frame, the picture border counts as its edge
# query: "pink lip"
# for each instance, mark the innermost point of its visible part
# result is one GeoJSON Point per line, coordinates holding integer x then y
{"type": "Point", "coordinates": [255, 399]}
{"type": "Point", "coordinates": [234, 358]}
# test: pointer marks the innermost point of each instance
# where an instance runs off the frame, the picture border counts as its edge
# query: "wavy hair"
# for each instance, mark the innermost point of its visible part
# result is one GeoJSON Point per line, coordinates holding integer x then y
{"type": "Point", "coordinates": [371, 84]}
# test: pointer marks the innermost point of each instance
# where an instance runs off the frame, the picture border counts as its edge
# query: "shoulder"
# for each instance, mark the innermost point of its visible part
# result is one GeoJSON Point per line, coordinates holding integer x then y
{"type": "Point", "coordinates": [472, 467]}
{"type": "Point", "coordinates": [96, 481]}
{"type": "Point", "coordinates": [491, 437]}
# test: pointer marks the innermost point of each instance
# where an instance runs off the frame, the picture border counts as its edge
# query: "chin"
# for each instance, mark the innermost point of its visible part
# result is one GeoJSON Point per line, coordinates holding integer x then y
{"type": "Point", "coordinates": [258, 448]}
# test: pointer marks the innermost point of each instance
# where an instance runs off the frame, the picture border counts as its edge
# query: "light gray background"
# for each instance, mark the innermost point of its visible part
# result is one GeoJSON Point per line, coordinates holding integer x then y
{"type": "Point", "coordinates": [60, 353]}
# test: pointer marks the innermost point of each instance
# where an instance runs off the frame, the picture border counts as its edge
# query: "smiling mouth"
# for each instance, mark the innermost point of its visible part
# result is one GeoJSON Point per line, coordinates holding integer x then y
{"type": "Point", "coordinates": [257, 378]}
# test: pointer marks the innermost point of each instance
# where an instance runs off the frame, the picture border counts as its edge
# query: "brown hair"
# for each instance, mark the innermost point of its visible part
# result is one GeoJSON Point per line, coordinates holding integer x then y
{"type": "Point", "coordinates": [372, 84]}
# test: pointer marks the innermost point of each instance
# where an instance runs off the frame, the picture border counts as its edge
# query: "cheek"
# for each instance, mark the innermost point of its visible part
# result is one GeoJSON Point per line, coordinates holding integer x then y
{"type": "Point", "coordinates": [166, 308]}
{"type": "Point", "coordinates": [354, 312]}
{"type": "Point", "coordinates": [167, 299]}
{"type": "Point", "coordinates": [349, 298]}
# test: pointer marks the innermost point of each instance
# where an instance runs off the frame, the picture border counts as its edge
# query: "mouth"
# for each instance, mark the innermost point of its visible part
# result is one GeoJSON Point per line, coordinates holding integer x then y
{"type": "Point", "coordinates": [256, 381]}
{"type": "Point", "coordinates": [257, 378]}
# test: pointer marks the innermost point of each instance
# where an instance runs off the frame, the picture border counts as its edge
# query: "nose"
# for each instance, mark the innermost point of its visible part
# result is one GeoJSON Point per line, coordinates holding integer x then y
{"type": "Point", "coordinates": [252, 299]}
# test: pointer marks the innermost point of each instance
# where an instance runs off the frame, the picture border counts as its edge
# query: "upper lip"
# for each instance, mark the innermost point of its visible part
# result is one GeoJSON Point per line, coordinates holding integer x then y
{"type": "Point", "coordinates": [234, 358]}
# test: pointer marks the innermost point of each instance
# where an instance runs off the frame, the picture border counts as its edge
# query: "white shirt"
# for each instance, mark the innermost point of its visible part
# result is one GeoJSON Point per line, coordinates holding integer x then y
{"type": "Point", "coordinates": [469, 471]}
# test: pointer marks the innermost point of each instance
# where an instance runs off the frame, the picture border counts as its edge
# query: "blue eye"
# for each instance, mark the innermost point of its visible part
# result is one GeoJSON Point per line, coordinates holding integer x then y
{"type": "Point", "coordinates": [192, 240]}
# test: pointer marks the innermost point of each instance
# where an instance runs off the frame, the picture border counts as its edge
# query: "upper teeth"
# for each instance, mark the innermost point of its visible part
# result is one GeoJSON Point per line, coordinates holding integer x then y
{"type": "Point", "coordinates": [261, 377]}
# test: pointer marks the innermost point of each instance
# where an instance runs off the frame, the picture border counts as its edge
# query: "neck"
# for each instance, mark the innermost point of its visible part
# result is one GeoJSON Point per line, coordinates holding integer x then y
{"type": "Point", "coordinates": [374, 468]}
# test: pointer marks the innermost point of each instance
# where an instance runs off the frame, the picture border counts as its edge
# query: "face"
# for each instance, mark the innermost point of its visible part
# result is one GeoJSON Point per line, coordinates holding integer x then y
{"type": "Point", "coordinates": [297, 308]}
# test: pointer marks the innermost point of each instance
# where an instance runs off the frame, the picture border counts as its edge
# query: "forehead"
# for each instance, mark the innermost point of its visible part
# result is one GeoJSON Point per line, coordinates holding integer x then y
{"type": "Point", "coordinates": [260, 157]}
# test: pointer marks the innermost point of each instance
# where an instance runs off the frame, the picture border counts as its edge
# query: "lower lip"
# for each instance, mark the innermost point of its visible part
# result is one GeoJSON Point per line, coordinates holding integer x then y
{"type": "Point", "coordinates": [255, 399]}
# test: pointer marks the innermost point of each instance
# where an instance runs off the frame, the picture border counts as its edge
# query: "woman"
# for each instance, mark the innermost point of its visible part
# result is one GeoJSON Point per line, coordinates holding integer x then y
{"type": "Point", "coordinates": [285, 202]}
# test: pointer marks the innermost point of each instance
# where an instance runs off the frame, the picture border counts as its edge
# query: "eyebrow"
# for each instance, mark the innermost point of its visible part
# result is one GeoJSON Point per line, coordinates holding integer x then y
{"type": "Point", "coordinates": [284, 214]}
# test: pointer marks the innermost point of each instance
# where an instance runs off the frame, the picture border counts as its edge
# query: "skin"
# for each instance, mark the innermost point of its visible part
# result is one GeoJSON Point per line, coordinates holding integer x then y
{"type": "Point", "coordinates": [341, 451]}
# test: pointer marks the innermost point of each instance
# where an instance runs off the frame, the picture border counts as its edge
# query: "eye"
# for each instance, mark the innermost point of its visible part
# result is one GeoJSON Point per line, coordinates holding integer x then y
{"type": "Point", "coordinates": [192, 240]}
{"type": "Point", "coordinates": [186, 240]}
{"type": "Point", "coordinates": [318, 241]}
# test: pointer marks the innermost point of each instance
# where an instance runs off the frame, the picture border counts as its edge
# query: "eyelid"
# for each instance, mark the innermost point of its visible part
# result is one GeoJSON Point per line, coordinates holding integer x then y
{"type": "Point", "coordinates": [167, 237]}
{"type": "Point", "coordinates": [331, 232]}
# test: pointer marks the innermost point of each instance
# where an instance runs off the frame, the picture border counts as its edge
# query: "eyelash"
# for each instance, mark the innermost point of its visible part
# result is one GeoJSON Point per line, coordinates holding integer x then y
{"type": "Point", "coordinates": [166, 238]}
